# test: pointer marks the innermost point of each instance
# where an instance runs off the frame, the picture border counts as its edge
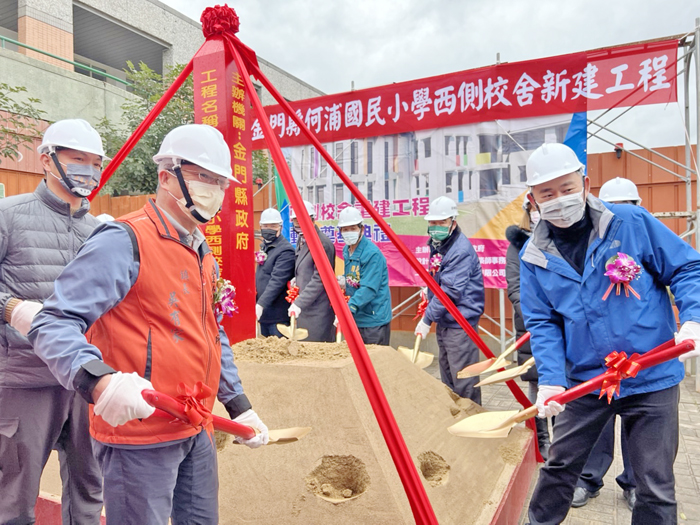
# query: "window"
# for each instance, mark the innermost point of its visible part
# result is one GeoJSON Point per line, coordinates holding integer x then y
{"type": "Point", "coordinates": [426, 176]}
{"type": "Point", "coordinates": [448, 181]}
{"type": "Point", "coordinates": [488, 180]}
{"type": "Point", "coordinates": [386, 156]}
{"type": "Point", "coordinates": [370, 191]}
{"type": "Point", "coordinates": [448, 141]}
{"type": "Point", "coordinates": [353, 158]}
{"type": "Point", "coordinates": [310, 193]}
{"type": "Point", "coordinates": [339, 154]}
{"type": "Point", "coordinates": [386, 188]}
{"type": "Point", "coordinates": [324, 165]}
{"type": "Point", "coordinates": [416, 182]}
{"type": "Point", "coordinates": [427, 145]}
{"type": "Point", "coordinates": [506, 175]}
{"type": "Point", "coordinates": [319, 193]}
{"type": "Point", "coordinates": [460, 181]}
{"type": "Point", "coordinates": [370, 150]}
{"type": "Point", "coordinates": [523, 174]}
{"type": "Point", "coordinates": [338, 193]}
{"type": "Point", "coordinates": [471, 174]}
{"type": "Point", "coordinates": [303, 163]}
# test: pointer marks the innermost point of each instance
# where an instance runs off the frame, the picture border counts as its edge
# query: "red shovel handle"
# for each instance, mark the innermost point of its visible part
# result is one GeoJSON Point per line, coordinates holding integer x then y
{"type": "Point", "coordinates": [167, 406]}
{"type": "Point", "coordinates": [662, 353]}
{"type": "Point", "coordinates": [522, 340]}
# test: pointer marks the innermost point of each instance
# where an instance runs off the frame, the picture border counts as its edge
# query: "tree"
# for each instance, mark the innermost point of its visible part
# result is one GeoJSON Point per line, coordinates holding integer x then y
{"type": "Point", "coordinates": [18, 121]}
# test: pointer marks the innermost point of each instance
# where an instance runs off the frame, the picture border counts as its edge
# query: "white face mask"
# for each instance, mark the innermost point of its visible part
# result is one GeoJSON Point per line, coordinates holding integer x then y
{"type": "Point", "coordinates": [563, 211]}
{"type": "Point", "coordinates": [351, 238]}
{"type": "Point", "coordinates": [207, 198]}
{"type": "Point", "coordinates": [534, 217]}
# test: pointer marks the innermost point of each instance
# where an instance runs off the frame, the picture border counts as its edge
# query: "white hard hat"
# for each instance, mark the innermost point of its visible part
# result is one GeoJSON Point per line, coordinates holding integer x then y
{"type": "Point", "coordinates": [619, 189]}
{"type": "Point", "coordinates": [75, 134]}
{"type": "Point", "coordinates": [350, 216]}
{"type": "Point", "coordinates": [270, 216]}
{"type": "Point", "coordinates": [104, 217]}
{"type": "Point", "coordinates": [550, 161]}
{"type": "Point", "coordinates": [441, 208]}
{"type": "Point", "coordinates": [309, 209]}
{"type": "Point", "coordinates": [199, 144]}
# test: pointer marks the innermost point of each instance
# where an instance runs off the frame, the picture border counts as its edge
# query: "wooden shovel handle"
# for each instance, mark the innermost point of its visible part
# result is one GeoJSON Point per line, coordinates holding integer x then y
{"type": "Point", "coordinates": [416, 346]}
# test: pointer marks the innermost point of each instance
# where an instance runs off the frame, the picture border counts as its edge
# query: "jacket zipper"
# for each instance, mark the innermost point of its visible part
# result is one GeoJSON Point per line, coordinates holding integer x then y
{"type": "Point", "coordinates": [204, 313]}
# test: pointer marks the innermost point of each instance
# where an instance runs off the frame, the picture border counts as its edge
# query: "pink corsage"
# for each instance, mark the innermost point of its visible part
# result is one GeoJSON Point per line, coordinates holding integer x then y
{"type": "Point", "coordinates": [435, 263]}
{"type": "Point", "coordinates": [224, 298]}
{"type": "Point", "coordinates": [260, 257]}
{"type": "Point", "coordinates": [622, 270]}
{"type": "Point", "coordinates": [352, 281]}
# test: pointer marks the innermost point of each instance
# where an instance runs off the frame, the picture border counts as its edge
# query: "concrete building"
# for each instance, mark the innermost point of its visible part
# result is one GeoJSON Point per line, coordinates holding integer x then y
{"type": "Point", "coordinates": [101, 34]}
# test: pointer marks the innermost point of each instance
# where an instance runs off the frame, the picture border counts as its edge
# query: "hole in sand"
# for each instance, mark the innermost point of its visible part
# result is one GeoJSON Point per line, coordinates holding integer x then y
{"type": "Point", "coordinates": [338, 478]}
{"type": "Point", "coordinates": [434, 468]}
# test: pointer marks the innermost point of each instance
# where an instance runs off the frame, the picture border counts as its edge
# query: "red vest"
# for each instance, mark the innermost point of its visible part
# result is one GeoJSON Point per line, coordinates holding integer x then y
{"type": "Point", "coordinates": [165, 329]}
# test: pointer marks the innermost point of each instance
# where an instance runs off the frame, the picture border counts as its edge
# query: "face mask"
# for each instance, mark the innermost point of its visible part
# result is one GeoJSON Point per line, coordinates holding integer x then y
{"type": "Point", "coordinates": [563, 211]}
{"type": "Point", "coordinates": [79, 179]}
{"type": "Point", "coordinates": [439, 233]}
{"type": "Point", "coordinates": [298, 230]}
{"type": "Point", "coordinates": [534, 218]}
{"type": "Point", "coordinates": [268, 234]}
{"type": "Point", "coordinates": [351, 238]}
{"type": "Point", "coordinates": [207, 198]}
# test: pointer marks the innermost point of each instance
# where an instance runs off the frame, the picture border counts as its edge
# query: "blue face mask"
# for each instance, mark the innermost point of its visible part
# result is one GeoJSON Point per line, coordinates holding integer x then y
{"type": "Point", "coordinates": [79, 179]}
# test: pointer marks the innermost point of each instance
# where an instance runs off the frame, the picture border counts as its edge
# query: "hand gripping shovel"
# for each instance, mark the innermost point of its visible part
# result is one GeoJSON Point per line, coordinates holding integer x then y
{"type": "Point", "coordinates": [292, 332]}
{"type": "Point", "coordinates": [492, 363]}
{"type": "Point", "coordinates": [421, 359]}
{"type": "Point", "coordinates": [507, 375]}
{"type": "Point", "coordinates": [169, 407]}
{"type": "Point", "coordinates": [498, 424]}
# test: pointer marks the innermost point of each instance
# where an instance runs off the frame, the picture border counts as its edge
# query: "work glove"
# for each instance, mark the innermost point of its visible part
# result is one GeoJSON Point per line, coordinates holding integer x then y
{"type": "Point", "coordinates": [23, 315]}
{"type": "Point", "coordinates": [294, 310]}
{"type": "Point", "coordinates": [293, 282]}
{"type": "Point", "coordinates": [689, 330]}
{"type": "Point", "coordinates": [544, 392]}
{"type": "Point", "coordinates": [251, 419]}
{"type": "Point", "coordinates": [121, 400]}
{"type": "Point", "coordinates": [258, 311]}
{"type": "Point", "coordinates": [341, 281]}
{"type": "Point", "coordinates": [335, 321]}
{"type": "Point", "coordinates": [423, 329]}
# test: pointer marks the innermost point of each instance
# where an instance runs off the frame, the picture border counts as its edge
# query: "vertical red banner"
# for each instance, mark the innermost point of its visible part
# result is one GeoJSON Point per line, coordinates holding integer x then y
{"type": "Point", "coordinates": [220, 100]}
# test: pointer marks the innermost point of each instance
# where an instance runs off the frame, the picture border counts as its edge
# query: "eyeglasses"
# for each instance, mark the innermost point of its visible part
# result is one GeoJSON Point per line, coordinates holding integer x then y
{"type": "Point", "coordinates": [209, 179]}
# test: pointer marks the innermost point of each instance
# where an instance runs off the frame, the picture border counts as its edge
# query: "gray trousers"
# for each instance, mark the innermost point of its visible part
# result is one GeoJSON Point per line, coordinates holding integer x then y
{"type": "Point", "coordinates": [33, 421]}
{"type": "Point", "coordinates": [457, 350]}
{"type": "Point", "coordinates": [146, 486]}
{"type": "Point", "coordinates": [376, 335]}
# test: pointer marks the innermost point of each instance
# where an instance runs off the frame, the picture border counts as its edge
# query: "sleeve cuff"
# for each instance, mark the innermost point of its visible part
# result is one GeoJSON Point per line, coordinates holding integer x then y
{"type": "Point", "coordinates": [88, 376]}
{"type": "Point", "coordinates": [237, 406]}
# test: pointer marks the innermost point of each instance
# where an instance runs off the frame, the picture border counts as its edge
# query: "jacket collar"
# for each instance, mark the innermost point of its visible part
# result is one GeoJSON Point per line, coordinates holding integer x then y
{"type": "Point", "coordinates": [541, 241]}
{"type": "Point", "coordinates": [445, 245]}
{"type": "Point", "coordinates": [268, 245]}
{"type": "Point", "coordinates": [53, 201]}
{"type": "Point", "coordinates": [360, 247]}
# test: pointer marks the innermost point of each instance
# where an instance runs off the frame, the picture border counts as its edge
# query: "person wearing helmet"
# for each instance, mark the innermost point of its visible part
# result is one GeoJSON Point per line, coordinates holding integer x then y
{"type": "Point", "coordinates": [39, 233]}
{"type": "Point", "coordinates": [456, 268]}
{"type": "Point", "coordinates": [135, 310]}
{"type": "Point", "coordinates": [312, 307]}
{"type": "Point", "coordinates": [273, 274]}
{"type": "Point", "coordinates": [366, 280]}
{"type": "Point", "coordinates": [576, 319]}
{"type": "Point", "coordinates": [620, 191]}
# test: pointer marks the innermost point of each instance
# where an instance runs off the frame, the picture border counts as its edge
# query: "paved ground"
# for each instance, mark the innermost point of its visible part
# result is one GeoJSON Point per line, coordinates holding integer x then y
{"type": "Point", "coordinates": [610, 508]}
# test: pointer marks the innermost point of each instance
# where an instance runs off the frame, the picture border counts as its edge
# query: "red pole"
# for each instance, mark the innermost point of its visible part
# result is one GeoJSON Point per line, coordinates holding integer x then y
{"type": "Point", "coordinates": [417, 497]}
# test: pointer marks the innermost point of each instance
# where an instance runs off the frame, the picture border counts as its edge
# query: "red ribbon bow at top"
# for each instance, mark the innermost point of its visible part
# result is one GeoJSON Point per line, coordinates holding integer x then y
{"type": "Point", "coordinates": [292, 293]}
{"type": "Point", "coordinates": [197, 414]}
{"type": "Point", "coordinates": [622, 367]}
{"type": "Point", "coordinates": [218, 20]}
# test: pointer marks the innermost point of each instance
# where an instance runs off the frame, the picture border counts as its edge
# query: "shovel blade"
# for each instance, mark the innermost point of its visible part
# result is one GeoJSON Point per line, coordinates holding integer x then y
{"type": "Point", "coordinates": [284, 436]}
{"type": "Point", "coordinates": [475, 369]}
{"type": "Point", "coordinates": [424, 359]}
{"type": "Point", "coordinates": [488, 425]}
{"type": "Point", "coordinates": [298, 334]}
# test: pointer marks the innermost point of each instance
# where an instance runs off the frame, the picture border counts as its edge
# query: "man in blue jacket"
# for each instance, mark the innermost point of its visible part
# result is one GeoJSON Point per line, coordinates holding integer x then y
{"type": "Point", "coordinates": [455, 266]}
{"type": "Point", "coordinates": [275, 270]}
{"type": "Point", "coordinates": [366, 280]}
{"type": "Point", "coordinates": [575, 324]}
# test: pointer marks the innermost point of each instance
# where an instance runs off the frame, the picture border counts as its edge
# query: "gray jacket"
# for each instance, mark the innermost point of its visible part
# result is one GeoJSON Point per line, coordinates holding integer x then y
{"type": "Point", "coordinates": [38, 237]}
{"type": "Point", "coordinates": [316, 311]}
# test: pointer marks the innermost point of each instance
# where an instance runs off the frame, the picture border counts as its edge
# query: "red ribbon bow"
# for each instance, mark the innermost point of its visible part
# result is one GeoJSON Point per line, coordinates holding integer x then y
{"type": "Point", "coordinates": [197, 414]}
{"type": "Point", "coordinates": [622, 367]}
{"type": "Point", "coordinates": [292, 294]}
{"type": "Point", "coordinates": [422, 307]}
{"type": "Point", "coordinates": [218, 20]}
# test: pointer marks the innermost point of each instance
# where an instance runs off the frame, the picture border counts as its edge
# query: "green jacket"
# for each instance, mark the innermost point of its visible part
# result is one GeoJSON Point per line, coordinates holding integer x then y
{"type": "Point", "coordinates": [370, 302]}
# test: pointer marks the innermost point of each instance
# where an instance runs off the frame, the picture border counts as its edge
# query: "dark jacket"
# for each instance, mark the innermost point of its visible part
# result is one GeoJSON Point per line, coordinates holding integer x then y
{"type": "Point", "coordinates": [271, 280]}
{"type": "Point", "coordinates": [517, 238]}
{"type": "Point", "coordinates": [460, 278]}
{"type": "Point", "coordinates": [316, 312]}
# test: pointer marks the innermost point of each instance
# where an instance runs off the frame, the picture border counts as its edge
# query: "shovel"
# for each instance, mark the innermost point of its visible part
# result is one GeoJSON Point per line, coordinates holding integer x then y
{"type": "Point", "coordinates": [492, 363]}
{"type": "Point", "coordinates": [169, 407]}
{"type": "Point", "coordinates": [498, 424]}
{"type": "Point", "coordinates": [421, 359]}
{"type": "Point", "coordinates": [292, 332]}
{"type": "Point", "coordinates": [507, 375]}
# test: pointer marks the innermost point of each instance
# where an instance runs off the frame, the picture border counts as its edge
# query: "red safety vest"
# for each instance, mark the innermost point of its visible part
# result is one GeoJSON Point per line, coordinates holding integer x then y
{"type": "Point", "coordinates": [165, 329]}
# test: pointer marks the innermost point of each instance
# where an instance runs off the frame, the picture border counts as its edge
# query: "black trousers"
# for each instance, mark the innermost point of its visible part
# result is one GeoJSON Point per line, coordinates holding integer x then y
{"type": "Point", "coordinates": [270, 329]}
{"type": "Point", "coordinates": [651, 423]}
{"type": "Point", "coordinates": [376, 335]}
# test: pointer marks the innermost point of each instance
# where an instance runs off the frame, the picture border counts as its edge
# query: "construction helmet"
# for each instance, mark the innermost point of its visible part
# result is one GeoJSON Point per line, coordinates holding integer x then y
{"type": "Point", "coordinates": [550, 161]}
{"type": "Point", "coordinates": [198, 144]}
{"type": "Point", "coordinates": [619, 189]}
{"type": "Point", "coordinates": [350, 216]}
{"type": "Point", "coordinates": [270, 216]}
{"type": "Point", "coordinates": [441, 208]}
{"type": "Point", "coordinates": [75, 134]}
{"type": "Point", "coordinates": [309, 209]}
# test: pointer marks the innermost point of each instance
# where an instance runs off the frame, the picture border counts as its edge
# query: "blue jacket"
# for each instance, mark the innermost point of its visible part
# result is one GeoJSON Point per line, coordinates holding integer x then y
{"type": "Point", "coordinates": [573, 329]}
{"type": "Point", "coordinates": [460, 278]}
{"type": "Point", "coordinates": [370, 304]}
{"type": "Point", "coordinates": [271, 280]}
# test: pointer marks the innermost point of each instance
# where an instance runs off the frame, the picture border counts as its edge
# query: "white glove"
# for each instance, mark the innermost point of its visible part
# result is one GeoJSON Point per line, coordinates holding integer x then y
{"type": "Point", "coordinates": [544, 392]}
{"type": "Point", "coordinates": [258, 311]}
{"type": "Point", "coordinates": [251, 419]}
{"type": "Point", "coordinates": [335, 321]}
{"type": "Point", "coordinates": [689, 330]}
{"type": "Point", "coordinates": [294, 310]}
{"type": "Point", "coordinates": [23, 315]}
{"type": "Point", "coordinates": [422, 329]}
{"type": "Point", "coordinates": [121, 400]}
{"type": "Point", "coordinates": [293, 282]}
{"type": "Point", "coordinates": [341, 281]}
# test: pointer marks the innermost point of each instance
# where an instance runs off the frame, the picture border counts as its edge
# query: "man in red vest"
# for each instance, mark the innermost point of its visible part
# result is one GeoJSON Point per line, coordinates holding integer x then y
{"type": "Point", "coordinates": [135, 310]}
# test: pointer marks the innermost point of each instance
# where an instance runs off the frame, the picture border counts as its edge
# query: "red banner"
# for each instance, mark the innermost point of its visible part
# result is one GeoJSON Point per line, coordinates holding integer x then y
{"type": "Point", "coordinates": [612, 77]}
{"type": "Point", "coordinates": [221, 101]}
